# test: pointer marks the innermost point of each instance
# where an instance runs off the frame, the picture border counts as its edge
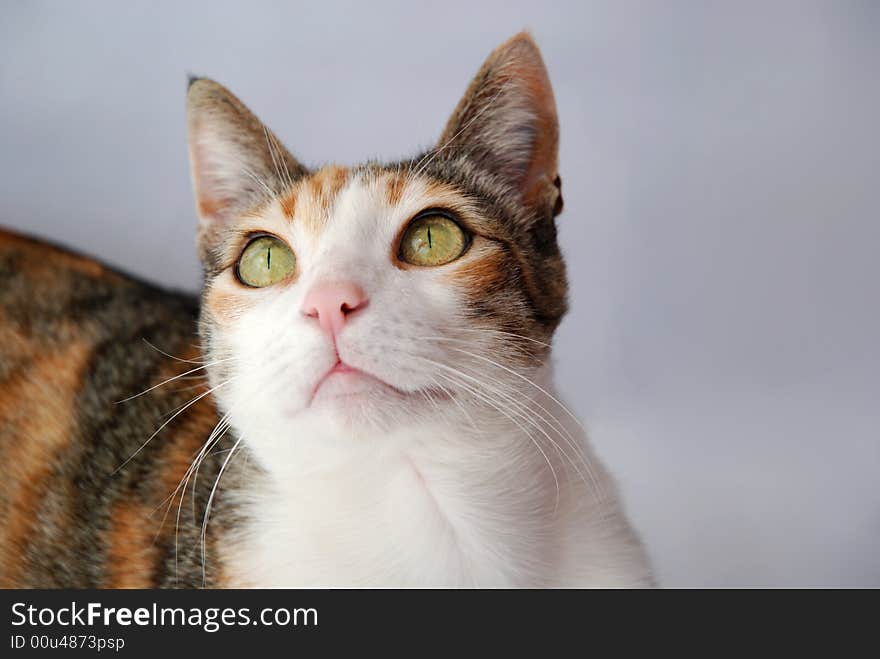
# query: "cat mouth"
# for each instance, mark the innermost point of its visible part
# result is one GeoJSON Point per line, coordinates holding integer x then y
{"type": "Point", "coordinates": [343, 380]}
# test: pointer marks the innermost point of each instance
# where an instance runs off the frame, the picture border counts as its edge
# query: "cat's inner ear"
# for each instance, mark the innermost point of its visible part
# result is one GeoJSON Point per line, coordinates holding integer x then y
{"type": "Point", "coordinates": [235, 160]}
{"type": "Point", "coordinates": [506, 123]}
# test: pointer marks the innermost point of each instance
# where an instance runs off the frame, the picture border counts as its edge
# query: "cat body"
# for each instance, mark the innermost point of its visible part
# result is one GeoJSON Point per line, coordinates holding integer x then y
{"type": "Point", "coordinates": [373, 400]}
{"type": "Point", "coordinates": [75, 511]}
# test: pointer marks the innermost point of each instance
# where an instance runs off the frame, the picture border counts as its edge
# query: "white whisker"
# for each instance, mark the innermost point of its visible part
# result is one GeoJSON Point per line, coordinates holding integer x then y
{"type": "Point", "coordinates": [526, 380]}
{"type": "Point", "coordinates": [179, 411]}
{"type": "Point", "coordinates": [172, 379]}
{"type": "Point", "coordinates": [488, 330]}
{"type": "Point", "coordinates": [210, 503]}
{"type": "Point", "coordinates": [179, 359]}
{"type": "Point", "coordinates": [473, 391]}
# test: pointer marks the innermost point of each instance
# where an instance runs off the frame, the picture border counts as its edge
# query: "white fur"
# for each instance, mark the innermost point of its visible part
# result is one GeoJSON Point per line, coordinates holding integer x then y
{"type": "Point", "coordinates": [388, 490]}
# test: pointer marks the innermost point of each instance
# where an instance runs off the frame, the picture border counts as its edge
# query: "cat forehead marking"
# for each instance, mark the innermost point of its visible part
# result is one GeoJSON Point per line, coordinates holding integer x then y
{"type": "Point", "coordinates": [312, 201]}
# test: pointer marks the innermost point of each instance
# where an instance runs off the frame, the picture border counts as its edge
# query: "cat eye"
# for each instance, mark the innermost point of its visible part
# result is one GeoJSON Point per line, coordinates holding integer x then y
{"type": "Point", "coordinates": [432, 239]}
{"type": "Point", "coordinates": [265, 261]}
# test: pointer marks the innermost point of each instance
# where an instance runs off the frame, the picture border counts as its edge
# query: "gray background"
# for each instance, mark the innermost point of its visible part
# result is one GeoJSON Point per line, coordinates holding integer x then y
{"type": "Point", "coordinates": [720, 167]}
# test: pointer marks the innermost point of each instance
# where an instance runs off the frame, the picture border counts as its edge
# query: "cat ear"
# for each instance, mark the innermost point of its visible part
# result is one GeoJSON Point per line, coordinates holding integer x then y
{"type": "Point", "coordinates": [506, 123]}
{"type": "Point", "coordinates": [234, 159]}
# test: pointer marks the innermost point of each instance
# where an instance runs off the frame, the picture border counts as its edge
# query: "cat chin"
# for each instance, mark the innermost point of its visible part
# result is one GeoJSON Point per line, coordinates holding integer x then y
{"type": "Point", "coordinates": [340, 387]}
{"type": "Point", "coordinates": [362, 413]}
{"type": "Point", "coordinates": [349, 400]}
{"type": "Point", "coordinates": [344, 415]}
{"type": "Point", "coordinates": [348, 415]}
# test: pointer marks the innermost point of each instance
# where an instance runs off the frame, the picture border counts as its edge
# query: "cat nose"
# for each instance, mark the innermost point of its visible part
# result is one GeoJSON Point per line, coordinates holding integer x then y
{"type": "Point", "coordinates": [332, 302]}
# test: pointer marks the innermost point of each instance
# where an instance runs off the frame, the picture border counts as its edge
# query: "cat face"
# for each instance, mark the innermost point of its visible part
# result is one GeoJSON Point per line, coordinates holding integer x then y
{"type": "Point", "coordinates": [379, 295]}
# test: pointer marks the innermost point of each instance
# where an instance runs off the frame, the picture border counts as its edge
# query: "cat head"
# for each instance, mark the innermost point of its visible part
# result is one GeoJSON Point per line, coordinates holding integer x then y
{"type": "Point", "coordinates": [357, 297]}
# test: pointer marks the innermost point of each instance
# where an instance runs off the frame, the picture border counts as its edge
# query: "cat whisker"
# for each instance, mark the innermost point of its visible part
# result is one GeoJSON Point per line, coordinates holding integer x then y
{"type": "Point", "coordinates": [224, 425]}
{"type": "Point", "coordinates": [193, 472]}
{"type": "Point", "coordinates": [179, 411]}
{"type": "Point", "coordinates": [494, 404]}
{"type": "Point", "coordinates": [594, 481]}
{"type": "Point", "coordinates": [519, 349]}
{"type": "Point", "coordinates": [179, 359]}
{"type": "Point", "coordinates": [524, 379]}
{"type": "Point", "coordinates": [496, 391]}
{"type": "Point", "coordinates": [489, 330]}
{"type": "Point", "coordinates": [216, 435]}
{"type": "Point", "coordinates": [218, 427]}
{"type": "Point", "coordinates": [281, 168]}
{"type": "Point", "coordinates": [431, 396]}
{"type": "Point", "coordinates": [182, 483]}
{"type": "Point", "coordinates": [509, 393]}
{"type": "Point", "coordinates": [200, 384]}
{"type": "Point", "coordinates": [210, 503]}
{"type": "Point", "coordinates": [269, 191]}
{"type": "Point", "coordinates": [271, 149]}
{"type": "Point", "coordinates": [172, 379]}
{"type": "Point", "coordinates": [451, 395]}
{"type": "Point", "coordinates": [558, 427]}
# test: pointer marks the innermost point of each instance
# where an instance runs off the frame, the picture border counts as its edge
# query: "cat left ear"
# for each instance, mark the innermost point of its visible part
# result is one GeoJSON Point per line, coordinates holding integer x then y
{"type": "Point", "coordinates": [506, 124]}
{"type": "Point", "coordinates": [235, 160]}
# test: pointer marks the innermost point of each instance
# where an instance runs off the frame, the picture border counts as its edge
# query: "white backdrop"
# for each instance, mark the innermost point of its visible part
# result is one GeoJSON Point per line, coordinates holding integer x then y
{"type": "Point", "coordinates": [721, 175]}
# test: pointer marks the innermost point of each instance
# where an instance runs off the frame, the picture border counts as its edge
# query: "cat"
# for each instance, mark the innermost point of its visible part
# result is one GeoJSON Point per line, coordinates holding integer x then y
{"type": "Point", "coordinates": [362, 396]}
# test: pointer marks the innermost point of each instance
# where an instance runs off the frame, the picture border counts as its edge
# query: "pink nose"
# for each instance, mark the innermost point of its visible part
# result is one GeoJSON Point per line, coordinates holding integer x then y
{"type": "Point", "coordinates": [332, 302]}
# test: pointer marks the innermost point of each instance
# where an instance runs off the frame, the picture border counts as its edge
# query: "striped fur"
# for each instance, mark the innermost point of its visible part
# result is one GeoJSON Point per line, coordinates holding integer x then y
{"type": "Point", "coordinates": [73, 342]}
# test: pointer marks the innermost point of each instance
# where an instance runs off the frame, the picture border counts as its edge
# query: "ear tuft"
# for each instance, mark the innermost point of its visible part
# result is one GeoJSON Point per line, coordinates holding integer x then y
{"type": "Point", "coordinates": [506, 123]}
{"type": "Point", "coordinates": [235, 160]}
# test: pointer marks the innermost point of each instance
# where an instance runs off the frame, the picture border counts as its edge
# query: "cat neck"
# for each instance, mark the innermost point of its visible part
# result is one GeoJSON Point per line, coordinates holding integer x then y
{"type": "Point", "coordinates": [463, 490]}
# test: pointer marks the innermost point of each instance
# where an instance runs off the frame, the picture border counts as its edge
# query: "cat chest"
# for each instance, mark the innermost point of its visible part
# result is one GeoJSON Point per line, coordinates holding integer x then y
{"type": "Point", "coordinates": [377, 529]}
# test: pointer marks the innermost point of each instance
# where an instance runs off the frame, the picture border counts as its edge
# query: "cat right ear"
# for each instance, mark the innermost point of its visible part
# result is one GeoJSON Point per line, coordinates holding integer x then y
{"type": "Point", "coordinates": [506, 124]}
{"type": "Point", "coordinates": [234, 159]}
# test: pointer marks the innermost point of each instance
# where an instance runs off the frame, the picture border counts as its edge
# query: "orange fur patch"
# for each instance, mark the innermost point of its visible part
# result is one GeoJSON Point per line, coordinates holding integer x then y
{"type": "Point", "coordinates": [224, 304]}
{"type": "Point", "coordinates": [209, 207]}
{"type": "Point", "coordinates": [43, 261]}
{"type": "Point", "coordinates": [131, 553]}
{"type": "Point", "coordinates": [326, 183]}
{"type": "Point", "coordinates": [288, 204]}
{"type": "Point", "coordinates": [484, 268]}
{"type": "Point", "coordinates": [38, 432]}
{"type": "Point", "coordinates": [396, 183]}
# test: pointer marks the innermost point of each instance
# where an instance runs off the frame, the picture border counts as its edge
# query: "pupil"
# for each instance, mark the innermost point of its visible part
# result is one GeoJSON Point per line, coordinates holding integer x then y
{"type": "Point", "coordinates": [268, 258]}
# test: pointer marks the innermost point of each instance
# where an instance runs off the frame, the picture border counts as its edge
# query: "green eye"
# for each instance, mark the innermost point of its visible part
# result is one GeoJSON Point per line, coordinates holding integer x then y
{"type": "Point", "coordinates": [432, 240]}
{"type": "Point", "coordinates": [265, 261]}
